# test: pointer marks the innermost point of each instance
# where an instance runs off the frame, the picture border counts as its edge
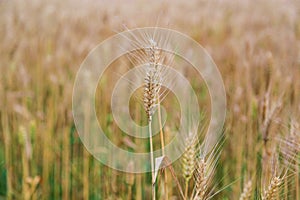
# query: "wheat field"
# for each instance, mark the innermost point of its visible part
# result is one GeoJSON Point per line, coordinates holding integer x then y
{"type": "Point", "coordinates": [256, 46]}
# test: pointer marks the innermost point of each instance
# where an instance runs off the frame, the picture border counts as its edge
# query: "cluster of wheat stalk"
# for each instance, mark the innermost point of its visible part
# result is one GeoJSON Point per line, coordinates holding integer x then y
{"type": "Point", "coordinates": [280, 164]}
{"type": "Point", "coordinates": [198, 166]}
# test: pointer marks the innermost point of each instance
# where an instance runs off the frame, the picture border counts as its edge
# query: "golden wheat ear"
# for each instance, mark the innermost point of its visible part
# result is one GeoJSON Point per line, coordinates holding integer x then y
{"type": "Point", "coordinates": [191, 150]}
{"type": "Point", "coordinates": [206, 164]}
{"type": "Point", "coordinates": [274, 178]}
{"type": "Point", "coordinates": [288, 149]}
{"type": "Point", "coordinates": [152, 86]}
{"type": "Point", "coordinates": [271, 192]}
{"type": "Point", "coordinates": [149, 53]}
{"type": "Point", "coordinates": [201, 179]}
{"type": "Point", "coordinates": [247, 191]}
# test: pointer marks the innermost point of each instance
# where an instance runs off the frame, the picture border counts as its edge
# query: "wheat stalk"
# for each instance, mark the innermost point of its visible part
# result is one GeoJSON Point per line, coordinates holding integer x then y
{"type": "Point", "coordinates": [152, 86]}
{"type": "Point", "coordinates": [149, 55]}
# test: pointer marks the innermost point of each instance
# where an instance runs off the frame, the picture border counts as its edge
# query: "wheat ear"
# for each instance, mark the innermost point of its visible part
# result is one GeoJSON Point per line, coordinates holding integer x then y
{"type": "Point", "coordinates": [200, 179]}
{"type": "Point", "coordinates": [188, 163]}
{"type": "Point", "coordinates": [204, 171]}
{"type": "Point", "coordinates": [271, 192]}
{"type": "Point", "coordinates": [247, 191]}
{"type": "Point", "coordinates": [153, 81]}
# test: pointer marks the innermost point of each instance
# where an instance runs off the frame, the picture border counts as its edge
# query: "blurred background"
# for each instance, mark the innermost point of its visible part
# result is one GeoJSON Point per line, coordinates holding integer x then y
{"type": "Point", "coordinates": [254, 43]}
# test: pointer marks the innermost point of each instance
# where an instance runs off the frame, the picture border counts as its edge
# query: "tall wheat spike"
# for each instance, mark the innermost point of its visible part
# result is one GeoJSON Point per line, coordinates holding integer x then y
{"type": "Point", "coordinates": [150, 55]}
{"type": "Point", "coordinates": [152, 87]}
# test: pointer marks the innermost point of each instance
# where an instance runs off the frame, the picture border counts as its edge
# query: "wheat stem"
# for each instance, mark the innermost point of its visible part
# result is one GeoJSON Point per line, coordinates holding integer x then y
{"type": "Point", "coordinates": [162, 141]}
{"type": "Point", "coordinates": [186, 189]}
{"type": "Point", "coordinates": [151, 157]}
{"type": "Point", "coordinates": [297, 182]}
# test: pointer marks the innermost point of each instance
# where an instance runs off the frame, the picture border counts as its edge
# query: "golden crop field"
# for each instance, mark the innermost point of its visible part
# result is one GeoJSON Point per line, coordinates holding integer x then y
{"type": "Point", "coordinates": [256, 48]}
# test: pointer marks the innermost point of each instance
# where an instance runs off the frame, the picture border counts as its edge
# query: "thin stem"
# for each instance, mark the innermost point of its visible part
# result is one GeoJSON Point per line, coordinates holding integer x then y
{"type": "Point", "coordinates": [169, 166]}
{"type": "Point", "coordinates": [129, 196]}
{"type": "Point", "coordinates": [297, 182]}
{"type": "Point", "coordinates": [286, 190]}
{"type": "Point", "coordinates": [160, 130]}
{"type": "Point", "coordinates": [162, 141]}
{"type": "Point", "coordinates": [186, 189]}
{"type": "Point", "coordinates": [7, 150]}
{"type": "Point", "coordinates": [152, 158]}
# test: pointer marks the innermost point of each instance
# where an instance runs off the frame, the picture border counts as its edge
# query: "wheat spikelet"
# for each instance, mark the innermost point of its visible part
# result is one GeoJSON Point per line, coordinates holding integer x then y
{"type": "Point", "coordinates": [188, 161]}
{"type": "Point", "coordinates": [204, 172]}
{"type": "Point", "coordinates": [153, 80]}
{"type": "Point", "coordinates": [271, 192]}
{"type": "Point", "coordinates": [200, 179]}
{"type": "Point", "coordinates": [247, 191]}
